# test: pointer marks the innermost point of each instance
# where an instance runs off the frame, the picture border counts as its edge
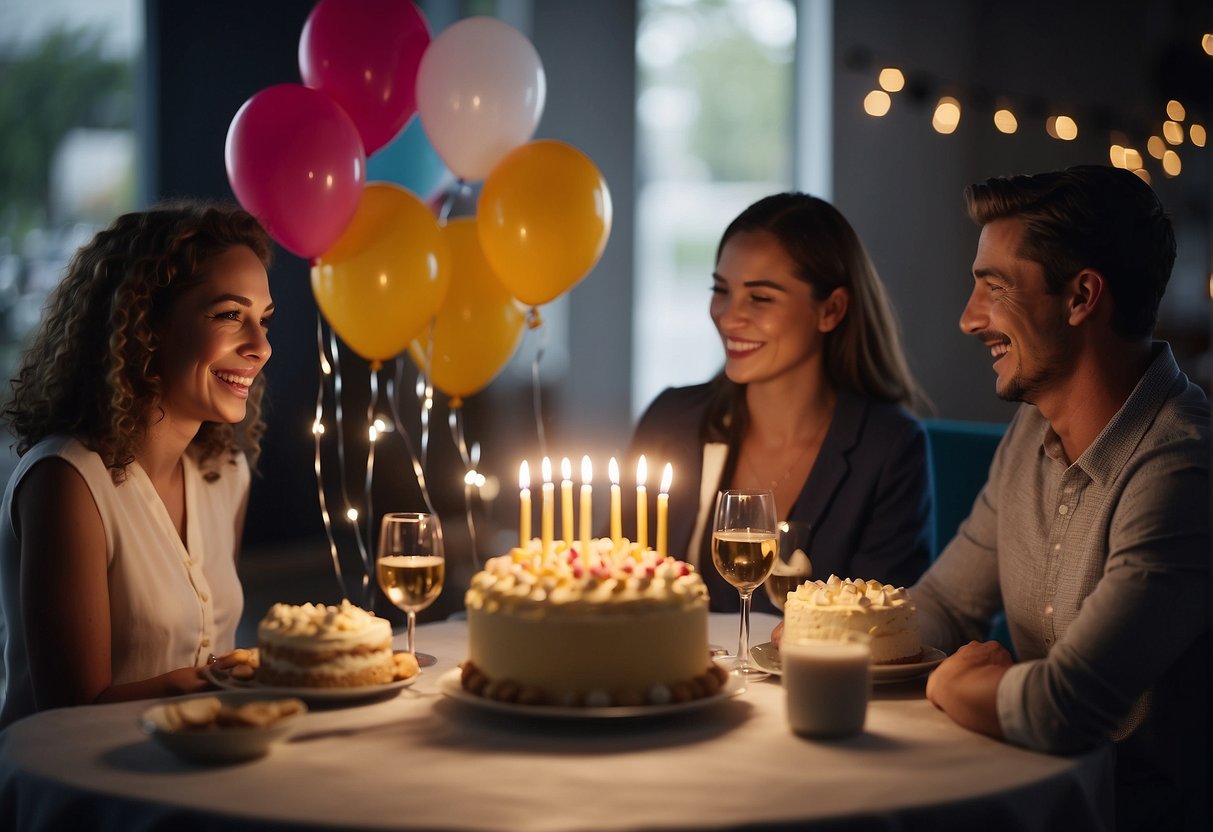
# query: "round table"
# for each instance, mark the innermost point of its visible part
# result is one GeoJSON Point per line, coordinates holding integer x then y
{"type": "Point", "coordinates": [422, 760]}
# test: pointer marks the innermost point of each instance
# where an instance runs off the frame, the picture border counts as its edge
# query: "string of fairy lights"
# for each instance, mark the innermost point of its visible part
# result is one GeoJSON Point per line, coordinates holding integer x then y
{"type": "Point", "coordinates": [1170, 132]}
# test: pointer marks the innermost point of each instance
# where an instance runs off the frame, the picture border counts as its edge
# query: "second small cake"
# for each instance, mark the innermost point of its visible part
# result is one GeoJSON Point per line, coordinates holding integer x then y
{"type": "Point", "coordinates": [319, 646]}
{"type": "Point", "coordinates": [886, 613]}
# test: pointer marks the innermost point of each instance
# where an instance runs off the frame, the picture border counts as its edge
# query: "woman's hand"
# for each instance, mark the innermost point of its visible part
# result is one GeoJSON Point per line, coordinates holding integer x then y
{"type": "Point", "coordinates": [777, 634]}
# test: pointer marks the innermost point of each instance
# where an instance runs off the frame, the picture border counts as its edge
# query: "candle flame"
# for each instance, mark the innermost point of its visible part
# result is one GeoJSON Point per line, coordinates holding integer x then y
{"type": "Point", "coordinates": [613, 471]}
{"type": "Point", "coordinates": [642, 470]}
{"type": "Point", "coordinates": [587, 471]}
{"type": "Point", "coordinates": [566, 469]}
{"type": "Point", "coordinates": [524, 475]}
{"type": "Point", "coordinates": [667, 477]}
{"type": "Point", "coordinates": [547, 469]}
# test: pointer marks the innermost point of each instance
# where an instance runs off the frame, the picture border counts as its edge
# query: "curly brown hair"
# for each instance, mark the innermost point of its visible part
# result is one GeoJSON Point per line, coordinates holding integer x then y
{"type": "Point", "coordinates": [91, 370]}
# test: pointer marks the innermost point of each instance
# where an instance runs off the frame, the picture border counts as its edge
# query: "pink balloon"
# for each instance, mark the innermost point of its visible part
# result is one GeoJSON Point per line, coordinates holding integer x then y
{"type": "Point", "coordinates": [295, 161]}
{"type": "Point", "coordinates": [364, 54]}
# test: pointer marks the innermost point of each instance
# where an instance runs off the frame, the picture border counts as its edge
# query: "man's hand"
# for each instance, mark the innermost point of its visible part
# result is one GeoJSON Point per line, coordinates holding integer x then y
{"type": "Point", "coordinates": [965, 685]}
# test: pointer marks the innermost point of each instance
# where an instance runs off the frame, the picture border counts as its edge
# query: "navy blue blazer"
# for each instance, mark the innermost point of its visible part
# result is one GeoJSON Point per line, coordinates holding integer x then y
{"type": "Point", "coordinates": [867, 499]}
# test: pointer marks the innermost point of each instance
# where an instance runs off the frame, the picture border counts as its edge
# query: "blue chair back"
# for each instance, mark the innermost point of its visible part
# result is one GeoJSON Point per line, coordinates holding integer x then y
{"type": "Point", "coordinates": [960, 454]}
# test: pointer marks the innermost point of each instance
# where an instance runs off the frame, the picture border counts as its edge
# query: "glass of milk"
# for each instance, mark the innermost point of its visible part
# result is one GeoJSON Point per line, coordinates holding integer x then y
{"type": "Point", "coordinates": [827, 681]}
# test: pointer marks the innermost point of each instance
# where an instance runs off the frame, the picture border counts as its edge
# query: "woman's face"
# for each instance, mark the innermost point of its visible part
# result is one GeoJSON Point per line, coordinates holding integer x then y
{"type": "Point", "coordinates": [213, 341]}
{"type": "Point", "coordinates": [768, 320]}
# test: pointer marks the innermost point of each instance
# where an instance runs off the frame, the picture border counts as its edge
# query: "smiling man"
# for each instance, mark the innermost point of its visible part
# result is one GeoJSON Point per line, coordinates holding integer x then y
{"type": "Point", "coordinates": [1092, 531]}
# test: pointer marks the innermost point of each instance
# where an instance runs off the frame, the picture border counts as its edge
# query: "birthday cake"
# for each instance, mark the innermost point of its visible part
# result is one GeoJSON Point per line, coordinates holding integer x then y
{"type": "Point", "coordinates": [883, 611]}
{"type": "Point", "coordinates": [321, 646]}
{"type": "Point", "coordinates": [614, 626]}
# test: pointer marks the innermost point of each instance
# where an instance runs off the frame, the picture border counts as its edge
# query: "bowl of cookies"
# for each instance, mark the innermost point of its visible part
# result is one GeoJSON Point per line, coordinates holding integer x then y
{"type": "Point", "coordinates": [222, 728]}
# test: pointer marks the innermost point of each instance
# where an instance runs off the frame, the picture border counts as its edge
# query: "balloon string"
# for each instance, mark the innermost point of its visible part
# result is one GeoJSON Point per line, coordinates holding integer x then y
{"type": "Point", "coordinates": [455, 419]}
{"type": "Point", "coordinates": [535, 391]}
{"type": "Point", "coordinates": [345, 494]}
{"type": "Point", "coordinates": [326, 369]}
{"type": "Point", "coordinates": [425, 397]}
{"type": "Point", "coordinates": [372, 434]}
{"type": "Point", "coordinates": [460, 190]}
{"type": "Point", "coordinates": [418, 471]}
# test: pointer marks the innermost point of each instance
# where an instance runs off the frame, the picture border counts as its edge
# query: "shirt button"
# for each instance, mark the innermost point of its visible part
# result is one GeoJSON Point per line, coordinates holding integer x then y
{"type": "Point", "coordinates": [1048, 609]}
{"type": "Point", "coordinates": [1062, 509]}
{"type": "Point", "coordinates": [205, 597]}
{"type": "Point", "coordinates": [1056, 547]}
{"type": "Point", "coordinates": [206, 642]}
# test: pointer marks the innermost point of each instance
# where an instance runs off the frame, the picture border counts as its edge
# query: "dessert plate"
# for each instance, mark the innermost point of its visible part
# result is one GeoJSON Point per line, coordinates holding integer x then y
{"type": "Point", "coordinates": [766, 656]}
{"type": "Point", "coordinates": [224, 680]}
{"type": "Point", "coordinates": [450, 686]}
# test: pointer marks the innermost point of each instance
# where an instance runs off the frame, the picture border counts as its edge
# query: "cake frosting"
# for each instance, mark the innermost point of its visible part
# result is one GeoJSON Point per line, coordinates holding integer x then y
{"type": "Point", "coordinates": [317, 645]}
{"type": "Point", "coordinates": [611, 626]}
{"type": "Point", "coordinates": [885, 612]}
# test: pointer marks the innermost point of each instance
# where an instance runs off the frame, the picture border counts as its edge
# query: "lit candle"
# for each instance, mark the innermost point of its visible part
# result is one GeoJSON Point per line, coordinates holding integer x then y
{"type": "Point", "coordinates": [663, 509]}
{"type": "Point", "coordinates": [524, 501]}
{"type": "Point", "coordinates": [547, 521]}
{"type": "Point", "coordinates": [642, 504]}
{"type": "Point", "coordinates": [587, 504]}
{"type": "Point", "coordinates": [616, 516]}
{"type": "Point", "coordinates": [566, 500]}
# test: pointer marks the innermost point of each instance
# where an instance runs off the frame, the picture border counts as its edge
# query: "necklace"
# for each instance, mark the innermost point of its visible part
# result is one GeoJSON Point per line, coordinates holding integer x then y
{"type": "Point", "coordinates": [776, 484]}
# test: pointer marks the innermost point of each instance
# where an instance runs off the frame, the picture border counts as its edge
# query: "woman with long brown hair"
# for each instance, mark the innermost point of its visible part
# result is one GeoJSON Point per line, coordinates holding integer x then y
{"type": "Point", "coordinates": [137, 410]}
{"type": "Point", "coordinates": [810, 403]}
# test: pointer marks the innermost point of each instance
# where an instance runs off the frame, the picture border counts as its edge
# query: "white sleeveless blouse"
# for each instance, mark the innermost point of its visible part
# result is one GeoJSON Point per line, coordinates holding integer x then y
{"type": "Point", "coordinates": [172, 604]}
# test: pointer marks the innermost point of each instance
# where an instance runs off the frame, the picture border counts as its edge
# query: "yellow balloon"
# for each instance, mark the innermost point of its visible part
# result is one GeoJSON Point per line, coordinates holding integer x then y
{"type": "Point", "coordinates": [387, 274]}
{"type": "Point", "coordinates": [544, 216]}
{"type": "Point", "coordinates": [479, 325]}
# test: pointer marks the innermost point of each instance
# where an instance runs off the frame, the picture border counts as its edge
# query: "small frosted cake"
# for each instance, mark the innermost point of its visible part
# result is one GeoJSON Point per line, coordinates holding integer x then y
{"type": "Point", "coordinates": [603, 628]}
{"type": "Point", "coordinates": [885, 612]}
{"type": "Point", "coordinates": [319, 646]}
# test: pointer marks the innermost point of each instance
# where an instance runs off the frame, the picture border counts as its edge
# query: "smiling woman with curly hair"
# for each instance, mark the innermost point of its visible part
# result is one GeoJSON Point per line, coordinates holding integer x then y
{"type": "Point", "coordinates": [137, 412]}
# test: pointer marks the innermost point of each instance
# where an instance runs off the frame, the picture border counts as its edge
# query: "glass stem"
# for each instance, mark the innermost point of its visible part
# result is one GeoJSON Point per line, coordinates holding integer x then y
{"type": "Point", "coordinates": [411, 629]}
{"type": "Point", "coordinates": [743, 637]}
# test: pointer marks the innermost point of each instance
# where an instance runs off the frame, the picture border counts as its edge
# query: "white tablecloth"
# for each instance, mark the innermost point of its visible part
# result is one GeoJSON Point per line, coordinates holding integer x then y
{"type": "Point", "coordinates": [423, 761]}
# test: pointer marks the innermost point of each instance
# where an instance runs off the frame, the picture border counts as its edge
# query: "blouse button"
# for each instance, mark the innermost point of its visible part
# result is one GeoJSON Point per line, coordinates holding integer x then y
{"type": "Point", "coordinates": [206, 642]}
{"type": "Point", "coordinates": [1062, 509]}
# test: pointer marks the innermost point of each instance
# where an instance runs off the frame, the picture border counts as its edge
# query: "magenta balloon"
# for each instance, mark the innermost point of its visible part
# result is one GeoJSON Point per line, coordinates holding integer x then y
{"type": "Point", "coordinates": [295, 160]}
{"type": "Point", "coordinates": [364, 55]}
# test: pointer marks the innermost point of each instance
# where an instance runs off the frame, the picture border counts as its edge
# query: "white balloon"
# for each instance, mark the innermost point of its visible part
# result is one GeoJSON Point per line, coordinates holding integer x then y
{"type": "Point", "coordinates": [480, 93]}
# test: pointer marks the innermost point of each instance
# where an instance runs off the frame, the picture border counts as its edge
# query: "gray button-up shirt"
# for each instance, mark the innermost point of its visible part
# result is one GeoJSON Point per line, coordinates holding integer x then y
{"type": "Point", "coordinates": [1102, 567]}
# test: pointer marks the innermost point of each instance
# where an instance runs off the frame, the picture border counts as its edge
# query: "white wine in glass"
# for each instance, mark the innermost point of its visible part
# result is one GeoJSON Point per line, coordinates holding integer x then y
{"type": "Point", "coordinates": [792, 566]}
{"type": "Point", "coordinates": [410, 563]}
{"type": "Point", "coordinates": [745, 545]}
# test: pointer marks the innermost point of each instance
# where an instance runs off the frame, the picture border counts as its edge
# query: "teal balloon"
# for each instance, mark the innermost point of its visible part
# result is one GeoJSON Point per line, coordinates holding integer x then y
{"type": "Point", "coordinates": [409, 160]}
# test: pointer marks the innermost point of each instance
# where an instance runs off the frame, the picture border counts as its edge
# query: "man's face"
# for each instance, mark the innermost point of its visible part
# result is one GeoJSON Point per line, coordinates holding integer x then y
{"type": "Point", "coordinates": [1011, 311]}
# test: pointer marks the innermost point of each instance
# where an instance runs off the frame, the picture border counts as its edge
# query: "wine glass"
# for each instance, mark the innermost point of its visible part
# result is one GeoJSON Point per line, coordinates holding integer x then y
{"type": "Point", "coordinates": [744, 548]}
{"type": "Point", "coordinates": [411, 565]}
{"type": "Point", "coordinates": [792, 566]}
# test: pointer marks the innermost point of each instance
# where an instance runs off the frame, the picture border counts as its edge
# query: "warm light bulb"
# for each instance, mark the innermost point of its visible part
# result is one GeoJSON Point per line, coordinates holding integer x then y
{"type": "Point", "coordinates": [1171, 165]}
{"type": "Point", "coordinates": [470, 477]}
{"type": "Point", "coordinates": [1175, 110]}
{"type": "Point", "coordinates": [372, 433]}
{"type": "Point", "coordinates": [877, 103]}
{"type": "Point", "coordinates": [381, 426]}
{"type": "Point", "coordinates": [317, 427]}
{"type": "Point", "coordinates": [1155, 146]}
{"type": "Point", "coordinates": [325, 367]}
{"type": "Point", "coordinates": [1143, 175]}
{"type": "Point", "coordinates": [947, 115]}
{"type": "Point", "coordinates": [1062, 128]}
{"type": "Point", "coordinates": [352, 514]}
{"type": "Point", "coordinates": [1005, 121]}
{"type": "Point", "coordinates": [891, 79]}
{"type": "Point", "coordinates": [1196, 132]}
{"type": "Point", "coordinates": [1132, 158]}
{"type": "Point", "coordinates": [1116, 155]}
{"type": "Point", "coordinates": [1206, 43]}
{"type": "Point", "coordinates": [1173, 132]}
